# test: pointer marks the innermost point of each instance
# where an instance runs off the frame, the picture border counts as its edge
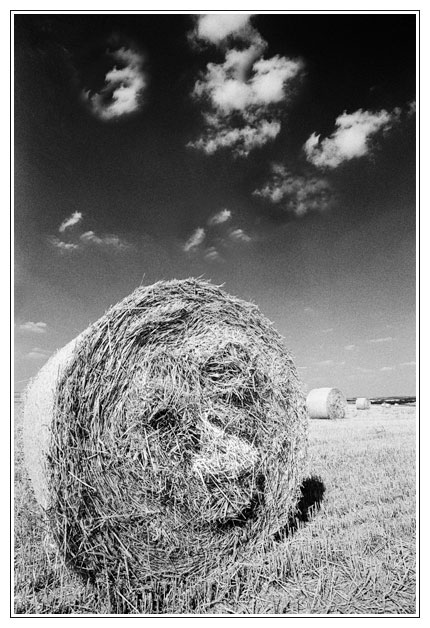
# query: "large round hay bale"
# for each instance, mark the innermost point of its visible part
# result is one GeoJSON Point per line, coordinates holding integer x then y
{"type": "Point", "coordinates": [174, 433]}
{"type": "Point", "coordinates": [362, 403]}
{"type": "Point", "coordinates": [326, 403]}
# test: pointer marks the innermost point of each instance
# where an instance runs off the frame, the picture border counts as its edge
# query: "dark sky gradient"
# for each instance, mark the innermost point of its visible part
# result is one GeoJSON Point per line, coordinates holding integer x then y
{"type": "Point", "coordinates": [349, 269]}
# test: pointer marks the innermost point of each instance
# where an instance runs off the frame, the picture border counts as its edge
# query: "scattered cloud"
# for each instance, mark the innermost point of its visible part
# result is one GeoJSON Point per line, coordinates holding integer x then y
{"type": "Point", "coordinates": [324, 363]}
{"type": "Point", "coordinates": [220, 217]}
{"type": "Point", "coordinates": [217, 28]}
{"type": "Point", "coordinates": [239, 235]}
{"type": "Point", "coordinates": [64, 247]}
{"type": "Point", "coordinates": [350, 139]}
{"type": "Point", "coordinates": [74, 219]}
{"type": "Point", "coordinates": [38, 354]}
{"type": "Point", "coordinates": [387, 368]}
{"type": "Point", "coordinates": [34, 328]}
{"type": "Point", "coordinates": [89, 237]}
{"type": "Point", "coordinates": [244, 94]}
{"type": "Point", "coordinates": [297, 194]}
{"type": "Point", "coordinates": [241, 140]}
{"type": "Point", "coordinates": [217, 235]}
{"type": "Point", "coordinates": [329, 363]}
{"type": "Point", "coordinates": [378, 340]}
{"type": "Point", "coordinates": [195, 240]}
{"type": "Point", "coordinates": [212, 255]}
{"type": "Point", "coordinates": [350, 347]}
{"type": "Point", "coordinates": [124, 85]}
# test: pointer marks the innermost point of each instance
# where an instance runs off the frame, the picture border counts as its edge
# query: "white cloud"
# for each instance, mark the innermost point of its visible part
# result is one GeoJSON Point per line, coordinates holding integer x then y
{"type": "Point", "coordinates": [412, 108]}
{"type": "Point", "coordinates": [241, 140]}
{"type": "Point", "coordinates": [220, 217]}
{"type": "Point", "coordinates": [387, 368]}
{"type": "Point", "coordinates": [195, 240]}
{"type": "Point", "coordinates": [365, 370]}
{"type": "Point", "coordinates": [212, 255]}
{"type": "Point", "coordinates": [34, 328]}
{"type": "Point", "coordinates": [296, 194]}
{"type": "Point", "coordinates": [350, 347]}
{"type": "Point", "coordinates": [89, 237]}
{"type": "Point", "coordinates": [411, 363]}
{"type": "Point", "coordinates": [124, 85]}
{"type": "Point", "coordinates": [228, 89]}
{"type": "Point", "coordinates": [327, 331]}
{"type": "Point", "coordinates": [378, 340]}
{"type": "Point", "coordinates": [64, 247]}
{"type": "Point", "coordinates": [38, 354]}
{"type": "Point", "coordinates": [324, 363]}
{"type": "Point", "coordinates": [351, 138]}
{"type": "Point", "coordinates": [215, 28]}
{"type": "Point", "coordinates": [239, 235]}
{"type": "Point", "coordinates": [309, 310]}
{"type": "Point", "coordinates": [244, 93]}
{"type": "Point", "coordinates": [74, 219]}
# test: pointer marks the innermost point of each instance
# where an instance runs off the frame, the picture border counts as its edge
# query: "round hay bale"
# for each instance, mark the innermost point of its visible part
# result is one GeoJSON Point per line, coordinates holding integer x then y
{"type": "Point", "coordinates": [326, 403]}
{"type": "Point", "coordinates": [174, 435]}
{"type": "Point", "coordinates": [362, 403]}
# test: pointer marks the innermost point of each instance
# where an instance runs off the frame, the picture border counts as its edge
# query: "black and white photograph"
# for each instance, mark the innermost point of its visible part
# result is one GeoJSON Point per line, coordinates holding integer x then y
{"type": "Point", "coordinates": [214, 229]}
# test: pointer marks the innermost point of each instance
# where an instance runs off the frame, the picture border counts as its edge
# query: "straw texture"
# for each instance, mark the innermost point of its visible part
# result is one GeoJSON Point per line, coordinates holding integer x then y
{"type": "Point", "coordinates": [178, 436]}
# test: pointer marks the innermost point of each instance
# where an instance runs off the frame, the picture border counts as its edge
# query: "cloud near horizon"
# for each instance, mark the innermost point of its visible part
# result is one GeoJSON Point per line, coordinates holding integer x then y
{"type": "Point", "coordinates": [378, 340]}
{"type": "Point", "coordinates": [351, 138]}
{"type": "Point", "coordinates": [34, 328]}
{"type": "Point", "coordinates": [124, 85]}
{"type": "Point", "coordinates": [73, 220]}
{"type": "Point", "coordinates": [296, 194]}
{"type": "Point", "coordinates": [243, 95]}
{"type": "Point", "coordinates": [38, 354]}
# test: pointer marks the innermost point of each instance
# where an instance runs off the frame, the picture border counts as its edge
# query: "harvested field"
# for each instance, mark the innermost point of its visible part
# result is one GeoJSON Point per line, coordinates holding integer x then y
{"type": "Point", "coordinates": [351, 552]}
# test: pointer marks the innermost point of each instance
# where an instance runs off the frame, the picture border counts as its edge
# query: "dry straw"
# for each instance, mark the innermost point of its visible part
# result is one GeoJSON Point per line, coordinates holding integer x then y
{"type": "Point", "coordinates": [326, 403]}
{"type": "Point", "coordinates": [175, 436]}
{"type": "Point", "coordinates": [362, 403]}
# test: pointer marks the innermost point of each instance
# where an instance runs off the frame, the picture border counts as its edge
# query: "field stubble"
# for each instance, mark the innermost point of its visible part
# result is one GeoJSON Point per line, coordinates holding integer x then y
{"type": "Point", "coordinates": [351, 551]}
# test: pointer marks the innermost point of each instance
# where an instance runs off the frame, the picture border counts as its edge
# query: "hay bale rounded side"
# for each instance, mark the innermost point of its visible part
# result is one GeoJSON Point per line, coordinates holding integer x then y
{"type": "Point", "coordinates": [178, 436]}
{"type": "Point", "coordinates": [326, 403]}
{"type": "Point", "coordinates": [38, 409]}
{"type": "Point", "coordinates": [362, 403]}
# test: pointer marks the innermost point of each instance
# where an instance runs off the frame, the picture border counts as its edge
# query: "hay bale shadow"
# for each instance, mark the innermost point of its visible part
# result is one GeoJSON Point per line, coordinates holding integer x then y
{"type": "Point", "coordinates": [312, 492]}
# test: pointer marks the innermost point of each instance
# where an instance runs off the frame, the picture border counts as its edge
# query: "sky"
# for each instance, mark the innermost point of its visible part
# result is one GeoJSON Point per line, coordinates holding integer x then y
{"type": "Point", "coordinates": [273, 154]}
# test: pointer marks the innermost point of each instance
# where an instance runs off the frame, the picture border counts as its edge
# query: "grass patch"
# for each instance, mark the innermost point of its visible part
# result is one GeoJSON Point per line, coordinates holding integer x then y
{"type": "Point", "coordinates": [352, 550]}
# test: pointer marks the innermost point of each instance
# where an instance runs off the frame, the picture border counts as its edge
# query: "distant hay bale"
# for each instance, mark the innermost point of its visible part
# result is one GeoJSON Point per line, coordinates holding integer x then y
{"type": "Point", "coordinates": [174, 434]}
{"type": "Point", "coordinates": [362, 403]}
{"type": "Point", "coordinates": [326, 403]}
